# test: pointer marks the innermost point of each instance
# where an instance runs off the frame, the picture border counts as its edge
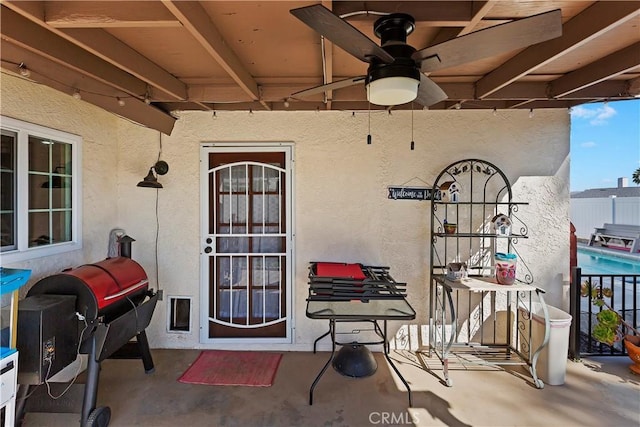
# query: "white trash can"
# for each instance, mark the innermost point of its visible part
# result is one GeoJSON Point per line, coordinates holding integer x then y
{"type": "Point", "coordinates": [552, 361]}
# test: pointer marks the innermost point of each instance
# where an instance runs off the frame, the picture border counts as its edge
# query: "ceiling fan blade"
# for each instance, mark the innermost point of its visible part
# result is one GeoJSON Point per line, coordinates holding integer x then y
{"type": "Point", "coordinates": [329, 86]}
{"type": "Point", "coordinates": [490, 41]}
{"type": "Point", "coordinates": [341, 33]}
{"type": "Point", "coordinates": [429, 93]}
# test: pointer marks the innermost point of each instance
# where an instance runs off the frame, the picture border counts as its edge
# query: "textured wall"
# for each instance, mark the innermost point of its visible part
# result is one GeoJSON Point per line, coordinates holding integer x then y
{"type": "Point", "coordinates": [340, 199]}
{"type": "Point", "coordinates": [46, 107]}
{"type": "Point", "coordinates": [341, 209]}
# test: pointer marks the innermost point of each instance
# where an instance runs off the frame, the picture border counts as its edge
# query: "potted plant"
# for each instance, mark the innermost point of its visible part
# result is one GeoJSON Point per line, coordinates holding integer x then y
{"type": "Point", "coordinates": [610, 326]}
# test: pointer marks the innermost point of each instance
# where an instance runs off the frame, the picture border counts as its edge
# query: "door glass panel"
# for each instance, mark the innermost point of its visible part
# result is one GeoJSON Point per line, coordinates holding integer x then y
{"type": "Point", "coordinates": [227, 245]}
{"type": "Point", "coordinates": [266, 212]}
{"type": "Point", "coordinates": [233, 179]}
{"type": "Point", "coordinates": [233, 301]}
{"type": "Point", "coordinates": [264, 244]}
{"type": "Point", "coordinates": [265, 179]}
{"type": "Point", "coordinates": [266, 302]}
{"type": "Point", "coordinates": [233, 209]}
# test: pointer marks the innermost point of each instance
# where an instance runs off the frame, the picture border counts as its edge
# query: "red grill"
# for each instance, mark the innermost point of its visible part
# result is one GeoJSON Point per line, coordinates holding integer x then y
{"type": "Point", "coordinates": [113, 304]}
{"type": "Point", "coordinates": [106, 288]}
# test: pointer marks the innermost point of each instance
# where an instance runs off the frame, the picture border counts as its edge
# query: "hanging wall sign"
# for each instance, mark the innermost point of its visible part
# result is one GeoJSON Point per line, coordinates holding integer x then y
{"type": "Point", "coordinates": [409, 193]}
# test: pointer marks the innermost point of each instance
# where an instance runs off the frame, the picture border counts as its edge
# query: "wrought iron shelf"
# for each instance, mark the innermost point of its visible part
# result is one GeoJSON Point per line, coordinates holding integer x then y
{"type": "Point", "coordinates": [480, 203]}
{"type": "Point", "coordinates": [481, 235]}
{"type": "Point", "coordinates": [481, 191]}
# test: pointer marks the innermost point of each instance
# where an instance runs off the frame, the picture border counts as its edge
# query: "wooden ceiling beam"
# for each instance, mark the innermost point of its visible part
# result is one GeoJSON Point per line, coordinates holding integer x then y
{"type": "Point", "coordinates": [195, 19]}
{"type": "Point", "coordinates": [633, 87]}
{"type": "Point", "coordinates": [112, 50]}
{"type": "Point", "coordinates": [612, 65]}
{"type": "Point", "coordinates": [57, 76]}
{"type": "Point", "coordinates": [435, 13]}
{"type": "Point", "coordinates": [24, 33]}
{"type": "Point", "coordinates": [589, 24]}
{"type": "Point", "coordinates": [517, 91]}
{"type": "Point", "coordinates": [105, 46]}
{"type": "Point", "coordinates": [610, 89]}
{"type": "Point", "coordinates": [106, 14]}
{"type": "Point", "coordinates": [480, 10]}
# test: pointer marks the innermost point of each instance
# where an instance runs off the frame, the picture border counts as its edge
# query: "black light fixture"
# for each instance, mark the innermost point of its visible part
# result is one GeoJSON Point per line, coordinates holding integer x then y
{"type": "Point", "coordinates": [151, 181]}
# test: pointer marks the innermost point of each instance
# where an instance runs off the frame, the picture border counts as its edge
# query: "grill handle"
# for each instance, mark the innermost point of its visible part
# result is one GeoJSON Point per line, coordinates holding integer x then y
{"type": "Point", "coordinates": [127, 290]}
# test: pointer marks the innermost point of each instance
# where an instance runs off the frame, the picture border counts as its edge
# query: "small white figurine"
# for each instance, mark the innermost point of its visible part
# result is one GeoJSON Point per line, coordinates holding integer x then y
{"type": "Point", "coordinates": [456, 270]}
{"type": "Point", "coordinates": [501, 224]}
{"type": "Point", "coordinates": [450, 192]}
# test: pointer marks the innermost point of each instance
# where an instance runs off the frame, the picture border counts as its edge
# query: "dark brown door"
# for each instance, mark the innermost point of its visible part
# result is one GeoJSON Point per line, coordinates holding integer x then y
{"type": "Point", "coordinates": [246, 245]}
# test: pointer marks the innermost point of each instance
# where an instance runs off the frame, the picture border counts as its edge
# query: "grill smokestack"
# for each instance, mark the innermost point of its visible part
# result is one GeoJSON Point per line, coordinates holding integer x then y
{"type": "Point", "coordinates": [125, 245]}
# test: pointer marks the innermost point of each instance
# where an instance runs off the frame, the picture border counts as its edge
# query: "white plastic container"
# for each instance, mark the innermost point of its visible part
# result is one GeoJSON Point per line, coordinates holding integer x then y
{"type": "Point", "coordinates": [552, 361]}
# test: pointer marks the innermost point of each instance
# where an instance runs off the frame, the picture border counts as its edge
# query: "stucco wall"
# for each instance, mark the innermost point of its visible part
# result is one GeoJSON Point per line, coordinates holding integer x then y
{"type": "Point", "coordinates": [340, 199]}
{"type": "Point", "coordinates": [46, 107]}
{"type": "Point", "coordinates": [341, 209]}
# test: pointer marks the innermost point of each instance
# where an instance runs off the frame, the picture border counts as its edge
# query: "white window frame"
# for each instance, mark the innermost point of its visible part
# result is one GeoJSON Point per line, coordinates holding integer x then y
{"type": "Point", "coordinates": [23, 130]}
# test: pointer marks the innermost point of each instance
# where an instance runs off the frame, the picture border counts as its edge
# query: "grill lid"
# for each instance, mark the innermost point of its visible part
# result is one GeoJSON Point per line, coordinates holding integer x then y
{"type": "Point", "coordinates": [105, 287]}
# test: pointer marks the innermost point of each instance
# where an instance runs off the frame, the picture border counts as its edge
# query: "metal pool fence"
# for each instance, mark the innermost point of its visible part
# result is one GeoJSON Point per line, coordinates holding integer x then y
{"type": "Point", "coordinates": [620, 291]}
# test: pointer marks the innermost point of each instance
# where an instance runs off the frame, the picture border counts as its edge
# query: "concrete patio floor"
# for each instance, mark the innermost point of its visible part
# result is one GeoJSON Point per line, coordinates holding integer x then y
{"type": "Point", "coordinates": [597, 392]}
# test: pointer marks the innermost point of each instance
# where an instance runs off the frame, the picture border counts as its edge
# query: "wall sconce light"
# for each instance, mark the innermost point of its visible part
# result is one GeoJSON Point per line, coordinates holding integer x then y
{"type": "Point", "coordinates": [151, 181]}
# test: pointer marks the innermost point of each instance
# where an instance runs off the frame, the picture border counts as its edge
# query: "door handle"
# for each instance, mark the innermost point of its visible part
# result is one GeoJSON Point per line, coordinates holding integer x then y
{"type": "Point", "coordinates": [208, 250]}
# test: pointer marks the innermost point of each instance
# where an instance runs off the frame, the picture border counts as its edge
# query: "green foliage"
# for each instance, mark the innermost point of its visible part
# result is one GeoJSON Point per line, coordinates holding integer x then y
{"type": "Point", "coordinates": [636, 176]}
{"type": "Point", "coordinates": [604, 334]}
{"type": "Point", "coordinates": [610, 326]}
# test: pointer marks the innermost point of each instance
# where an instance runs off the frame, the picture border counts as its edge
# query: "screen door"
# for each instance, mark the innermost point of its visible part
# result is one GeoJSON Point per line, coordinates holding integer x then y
{"type": "Point", "coordinates": [246, 254]}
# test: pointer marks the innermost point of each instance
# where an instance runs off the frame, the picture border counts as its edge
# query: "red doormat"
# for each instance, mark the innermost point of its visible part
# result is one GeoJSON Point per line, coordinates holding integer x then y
{"type": "Point", "coordinates": [245, 368]}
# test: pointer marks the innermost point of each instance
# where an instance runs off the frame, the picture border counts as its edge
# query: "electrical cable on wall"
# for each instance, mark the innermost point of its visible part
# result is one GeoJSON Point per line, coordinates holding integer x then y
{"type": "Point", "coordinates": [157, 217]}
{"type": "Point", "coordinates": [75, 377]}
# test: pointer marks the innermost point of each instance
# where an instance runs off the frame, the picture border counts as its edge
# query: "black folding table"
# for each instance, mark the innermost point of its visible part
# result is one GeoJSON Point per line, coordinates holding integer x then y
{"type": "Point", "coordinates": [339, 293]}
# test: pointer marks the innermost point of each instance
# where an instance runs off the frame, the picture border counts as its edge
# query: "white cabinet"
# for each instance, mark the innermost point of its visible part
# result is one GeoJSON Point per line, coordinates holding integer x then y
{"type": "Point", "coordinates": [8, 381]}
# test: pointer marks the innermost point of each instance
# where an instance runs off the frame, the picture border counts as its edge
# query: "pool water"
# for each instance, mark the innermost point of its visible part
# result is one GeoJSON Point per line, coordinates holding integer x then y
{"type": "Point", "coordinates": [597, 263]}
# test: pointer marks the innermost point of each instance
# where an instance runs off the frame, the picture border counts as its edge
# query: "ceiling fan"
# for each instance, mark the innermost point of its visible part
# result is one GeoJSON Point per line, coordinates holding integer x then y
{"type": "Point", "coordinates": [397, 72]}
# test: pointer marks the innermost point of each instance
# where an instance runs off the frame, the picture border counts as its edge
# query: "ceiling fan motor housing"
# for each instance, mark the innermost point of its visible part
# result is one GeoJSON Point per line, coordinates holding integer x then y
{"type": "Point", "coordinates": [402, 76]}
{"type": "Point", "coordinates": [394, 27]}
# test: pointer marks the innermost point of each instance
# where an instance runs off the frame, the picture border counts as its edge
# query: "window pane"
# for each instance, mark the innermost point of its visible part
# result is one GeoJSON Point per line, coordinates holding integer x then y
{"type": "Point", "coordinates": [39, 229]}
{"type": "Point", "coordinates": [39, 154]}
{"type": "Point", "coordinates": [7, 198]}
{"type": "Point", "coordinates": [61, 193]}
{"type": "Point", "coordinates": [7, 156]}
{"type": "Point", "coordinates": [38, 191]}
{"type": "Point", "coordinates": [8, 190]}
{"type": "Point", "coordinates": [61, 158]}
{"type": "Point", "coordinates": [7, 230]}
{"type": "Point", "coordinates": [61, 222]}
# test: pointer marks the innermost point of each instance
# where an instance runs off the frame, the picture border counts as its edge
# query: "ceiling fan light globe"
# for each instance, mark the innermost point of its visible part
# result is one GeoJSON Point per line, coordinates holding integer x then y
{"type": "Point", "coordinates": [392, 90]}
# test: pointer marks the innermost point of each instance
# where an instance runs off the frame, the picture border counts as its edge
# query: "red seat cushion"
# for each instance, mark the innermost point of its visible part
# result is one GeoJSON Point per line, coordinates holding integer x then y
{"type": "Point", "coordinates": [341, 270]}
